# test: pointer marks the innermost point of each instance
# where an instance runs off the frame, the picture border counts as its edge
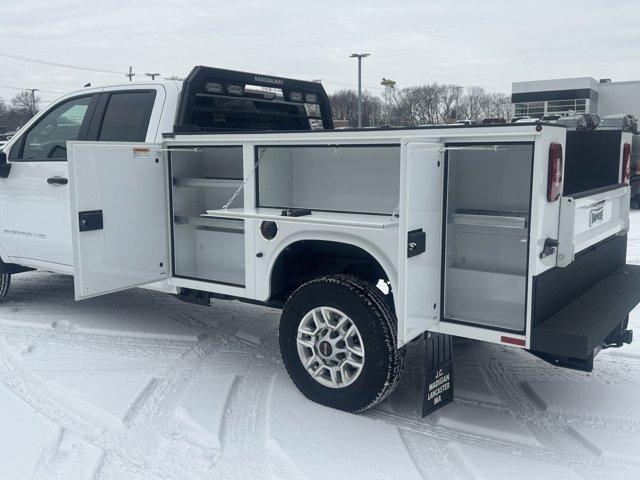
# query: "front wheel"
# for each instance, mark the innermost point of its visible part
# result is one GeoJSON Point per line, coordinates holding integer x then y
{"type": "Point", "coordinates": [339, 344]}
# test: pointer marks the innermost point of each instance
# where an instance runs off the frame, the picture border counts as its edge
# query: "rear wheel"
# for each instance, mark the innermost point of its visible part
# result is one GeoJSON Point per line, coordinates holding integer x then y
{"type": "Point", "coordinates": [5, 283]}
{"type": "Point", "coordinates": [338, 343]}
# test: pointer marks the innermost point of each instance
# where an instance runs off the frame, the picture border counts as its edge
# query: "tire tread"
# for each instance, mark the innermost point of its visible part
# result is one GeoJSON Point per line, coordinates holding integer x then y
{"type": "Point", "coordinates": [371, 296]}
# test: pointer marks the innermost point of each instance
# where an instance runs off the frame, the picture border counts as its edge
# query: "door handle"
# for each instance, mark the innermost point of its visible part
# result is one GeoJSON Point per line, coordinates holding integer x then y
{"type": "Point", "coordinates": [57, 181]}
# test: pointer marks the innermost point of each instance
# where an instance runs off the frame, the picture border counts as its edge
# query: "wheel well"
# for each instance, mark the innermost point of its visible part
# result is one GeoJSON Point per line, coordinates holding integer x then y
{"type": "Point", "coordinates": [308, 259]}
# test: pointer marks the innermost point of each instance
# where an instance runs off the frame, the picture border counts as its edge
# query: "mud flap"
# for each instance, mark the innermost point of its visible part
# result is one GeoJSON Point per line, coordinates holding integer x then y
{"type": "Point", "coordinates": [438, 387]}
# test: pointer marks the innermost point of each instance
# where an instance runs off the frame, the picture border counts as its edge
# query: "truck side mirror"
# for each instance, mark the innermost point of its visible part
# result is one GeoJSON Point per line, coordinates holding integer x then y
{"type": "Point", "coordinates": [5, 167]}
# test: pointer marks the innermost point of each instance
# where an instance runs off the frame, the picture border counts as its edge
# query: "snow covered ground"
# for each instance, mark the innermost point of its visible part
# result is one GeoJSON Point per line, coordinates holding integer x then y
{"type": "Point", "coordinates": [137, 385]}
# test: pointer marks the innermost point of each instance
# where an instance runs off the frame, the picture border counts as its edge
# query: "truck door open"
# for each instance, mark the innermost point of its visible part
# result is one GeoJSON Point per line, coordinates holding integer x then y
{"type": "Point", "coordinates": [420, 239]}
{"type": "Point", "coordinates": [119, 222]}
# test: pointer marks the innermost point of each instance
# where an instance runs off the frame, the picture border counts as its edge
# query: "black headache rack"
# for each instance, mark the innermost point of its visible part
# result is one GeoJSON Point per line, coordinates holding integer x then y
{"type": "Point", "coordinates": [584, 307]}
{"type": "Point", "coordinates": [217, 100]}
{"type": "Point", "coordinates": [592, 160]}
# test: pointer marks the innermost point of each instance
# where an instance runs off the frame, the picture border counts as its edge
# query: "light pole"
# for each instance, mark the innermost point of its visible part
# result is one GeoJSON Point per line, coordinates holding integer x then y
{"type": "Point", "coordinates": [130, 75]}
{"type": "Point", "coordinates": [33, 100]}
{"type": "Point", "coordinates": [152, 75]}
{"type": "Point", "coordinates": [359, 56]}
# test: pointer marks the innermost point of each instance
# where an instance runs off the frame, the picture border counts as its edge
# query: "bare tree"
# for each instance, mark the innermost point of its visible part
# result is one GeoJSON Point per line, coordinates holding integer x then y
{"type": "Point", "coordinates": [499, 105]}
{"type": "Point", "coordinates": [26, 102]}
{"type": "Point", "coordinates": [450, 103]}
{"type": "Point", "coordinates": [473, 105]}
{"type": "Point", "coordinates": [344, 105]}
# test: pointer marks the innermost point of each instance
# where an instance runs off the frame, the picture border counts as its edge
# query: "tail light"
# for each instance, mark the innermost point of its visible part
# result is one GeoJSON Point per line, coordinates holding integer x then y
{"type": "Point", "coordinates": [626, 163]}
{"type": "Point", "coordinates": [554, 178]}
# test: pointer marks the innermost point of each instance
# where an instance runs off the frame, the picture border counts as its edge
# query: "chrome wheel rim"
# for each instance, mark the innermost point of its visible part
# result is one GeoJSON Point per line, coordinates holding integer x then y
{"type": "Point", "coordinates": [330, 347]}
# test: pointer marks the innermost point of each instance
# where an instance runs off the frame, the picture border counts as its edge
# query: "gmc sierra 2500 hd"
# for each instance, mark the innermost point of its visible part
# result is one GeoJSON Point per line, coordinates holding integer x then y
{"type": "Point", "coordinates": [237, 187]}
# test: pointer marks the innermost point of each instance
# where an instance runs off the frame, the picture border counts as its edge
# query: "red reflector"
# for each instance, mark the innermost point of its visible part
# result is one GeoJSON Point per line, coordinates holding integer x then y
{"type": "Point", "coordinates": [626, 163]}
{"type": "Point", "coordinates": [554, 176]}
{"type": "Point", "coordinates": [513, 341]}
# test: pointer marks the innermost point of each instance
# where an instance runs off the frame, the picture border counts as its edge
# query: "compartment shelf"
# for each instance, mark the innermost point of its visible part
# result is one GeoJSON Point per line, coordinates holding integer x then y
{"type": "Point", "coordinates": [222, 224]}
{"type": "Point", "coordinates": [326, 218]}
{"type": "Point", "coordinates": [489, 220]}
{"type": "Point", "coordinates": [206, 182]}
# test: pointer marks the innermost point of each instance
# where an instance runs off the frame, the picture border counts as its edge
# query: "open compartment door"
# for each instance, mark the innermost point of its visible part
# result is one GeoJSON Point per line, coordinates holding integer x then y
{"type": "Point", "coordinates": [119, 222]}
{"type": "Point", "coordinates": [420, 239]}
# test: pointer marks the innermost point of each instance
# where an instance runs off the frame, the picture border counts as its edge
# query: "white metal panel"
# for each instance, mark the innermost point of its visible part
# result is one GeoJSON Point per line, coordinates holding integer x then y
{"type": "Point", "coordinates": [127, 182]}
{"type": "Point", "coordinates": [585, 221]}
{"type": "Point", "coordinates": [421, 204]}
{"type": "Point", "coordinates": [498, 134]}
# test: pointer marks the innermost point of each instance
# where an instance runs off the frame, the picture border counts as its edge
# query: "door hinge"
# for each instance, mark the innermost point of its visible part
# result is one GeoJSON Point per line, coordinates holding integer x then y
{"type": "Point", "coordinates": [416, 243]}
{"type": "Point", "coordinates": [90, 220]}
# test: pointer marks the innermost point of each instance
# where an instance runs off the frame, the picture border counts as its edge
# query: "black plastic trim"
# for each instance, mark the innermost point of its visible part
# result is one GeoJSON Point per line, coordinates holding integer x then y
{"type": "Point", "coordinates": [595, 191]}
{"type": "Point", "coordinates": [5, 169]}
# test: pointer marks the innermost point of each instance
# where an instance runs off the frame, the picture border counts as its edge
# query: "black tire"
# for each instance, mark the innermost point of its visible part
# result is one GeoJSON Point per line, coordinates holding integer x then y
{"type": "Point", "coordinates": [5, 283]}
{"type": "Point", "coordinates": [376, 322]}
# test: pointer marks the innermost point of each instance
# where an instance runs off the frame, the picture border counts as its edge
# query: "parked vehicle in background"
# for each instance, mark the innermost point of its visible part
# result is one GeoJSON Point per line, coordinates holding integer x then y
{"type": "Point", "coordinates": [551, 118]}
{"type": "Point", "coordinates": [463, 122]}
{"type": "Point", "coordinates": [494, 121]}
{"type": "Point", "coordinates": [619, 121]}
{"type": "Point", "coordinates": [583, 121]}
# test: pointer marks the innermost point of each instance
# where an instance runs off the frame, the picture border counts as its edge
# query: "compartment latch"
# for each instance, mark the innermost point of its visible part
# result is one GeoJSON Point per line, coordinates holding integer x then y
{"type": "Point", "coordinates": [90, 220]}
{"type": "Point", "coordinates": [550, 247]}
{"type": "Point", "coordinates": [416, 243]}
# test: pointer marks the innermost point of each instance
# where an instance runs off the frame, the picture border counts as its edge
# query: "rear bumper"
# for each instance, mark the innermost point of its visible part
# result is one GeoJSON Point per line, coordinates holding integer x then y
{"type": "Point", "coordinates": [575, 308]}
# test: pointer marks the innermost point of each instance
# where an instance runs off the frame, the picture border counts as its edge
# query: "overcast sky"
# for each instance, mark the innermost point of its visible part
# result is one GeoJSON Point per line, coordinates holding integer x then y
{"type": "Point", "coordinates": [488, 43]}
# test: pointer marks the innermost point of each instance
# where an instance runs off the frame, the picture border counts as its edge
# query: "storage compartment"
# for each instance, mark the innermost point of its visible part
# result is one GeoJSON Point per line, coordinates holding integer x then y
{"type": "Point", "coordinates": [207, 248]}
{"type": "Point", "coordinates": [486, 235]}
{"type": "Point", "coordinates": [344, 178]}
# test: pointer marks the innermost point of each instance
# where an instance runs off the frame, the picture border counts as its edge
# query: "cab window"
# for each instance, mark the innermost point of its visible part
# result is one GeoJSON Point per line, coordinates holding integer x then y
{"type": "Point", "coordinates": [126, 116]}
{"type": "Point", "coordinates": [47, 139]}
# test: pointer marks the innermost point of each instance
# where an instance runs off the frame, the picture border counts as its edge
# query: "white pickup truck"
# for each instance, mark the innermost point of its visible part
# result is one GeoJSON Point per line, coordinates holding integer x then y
{"type": "Point", "coordinates": [237, 187]}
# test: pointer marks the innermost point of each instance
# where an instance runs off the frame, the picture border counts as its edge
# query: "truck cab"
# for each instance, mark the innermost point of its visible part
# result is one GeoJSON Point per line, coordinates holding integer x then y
{"type": "Point", "coordinates": [36, 228]}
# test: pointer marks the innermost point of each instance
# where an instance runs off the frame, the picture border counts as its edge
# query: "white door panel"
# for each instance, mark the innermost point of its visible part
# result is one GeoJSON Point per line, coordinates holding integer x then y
{"type": "Point", "coordinates": [587, 220]}
{"type": "Point", "coordinates": [419, 276]}
{"type": "Point", "coordinates": [35, 222]}
{"type": "Point", "coordinates": [126, 184]}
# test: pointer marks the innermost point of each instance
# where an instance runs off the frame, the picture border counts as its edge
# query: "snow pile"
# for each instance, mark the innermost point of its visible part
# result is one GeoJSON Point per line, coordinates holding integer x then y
{"type": "Point", "coordinates": [137, 385]}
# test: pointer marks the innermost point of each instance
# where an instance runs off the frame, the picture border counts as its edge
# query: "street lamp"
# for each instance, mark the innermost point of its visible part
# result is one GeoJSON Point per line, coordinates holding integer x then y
{"type": "Point", "coordinates": [152, 75]}
{"type": "Point", "coordinates": [389, 85]}
{"type": "Point", "coordinates": [33, 100]}
{"type": "Point", "coordinates": [359, 56]}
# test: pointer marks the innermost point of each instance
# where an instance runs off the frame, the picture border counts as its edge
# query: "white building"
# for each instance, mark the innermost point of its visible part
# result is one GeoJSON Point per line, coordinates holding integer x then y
{"type": "Point", "coordinates": [575, 95]}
